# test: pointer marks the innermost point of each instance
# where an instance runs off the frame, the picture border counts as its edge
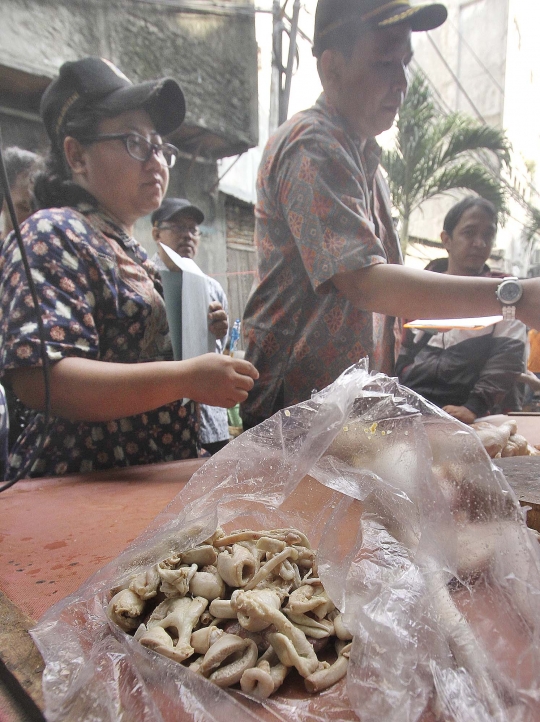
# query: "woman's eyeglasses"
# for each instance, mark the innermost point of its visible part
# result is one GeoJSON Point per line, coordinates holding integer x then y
{"type": "Point", "coordinates": [139, 148]}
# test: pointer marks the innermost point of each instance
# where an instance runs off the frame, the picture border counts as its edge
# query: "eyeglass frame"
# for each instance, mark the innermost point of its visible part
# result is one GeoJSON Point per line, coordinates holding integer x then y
{"type": "Point", "coordinates": [156, 148]}
{"type": "Point", "coordinates": [193, 232]}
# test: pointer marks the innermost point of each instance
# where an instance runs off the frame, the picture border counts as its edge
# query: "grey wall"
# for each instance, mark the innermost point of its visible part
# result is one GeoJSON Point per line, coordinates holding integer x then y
{"type": "Point", "coordinates": [214, 57]}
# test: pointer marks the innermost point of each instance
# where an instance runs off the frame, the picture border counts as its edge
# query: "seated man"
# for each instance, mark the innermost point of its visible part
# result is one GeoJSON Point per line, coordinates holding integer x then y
{"type": "Point", "coordinates": [176, 224]}
{"type": "Point", "coordinates": [467, 373]}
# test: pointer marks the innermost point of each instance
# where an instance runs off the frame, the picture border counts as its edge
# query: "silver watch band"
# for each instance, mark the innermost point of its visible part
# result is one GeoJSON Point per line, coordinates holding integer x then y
{"type": "Point", "coordinates": [509, 313]}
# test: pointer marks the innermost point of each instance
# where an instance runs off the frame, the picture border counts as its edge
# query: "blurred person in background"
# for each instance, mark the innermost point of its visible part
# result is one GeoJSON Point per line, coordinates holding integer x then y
{"type": "Point", "coordinates": [176, 224]}
{"type": "Point", "coordinates": [21, 167]}
{"type": "Point", "coordinates": [468, 373]}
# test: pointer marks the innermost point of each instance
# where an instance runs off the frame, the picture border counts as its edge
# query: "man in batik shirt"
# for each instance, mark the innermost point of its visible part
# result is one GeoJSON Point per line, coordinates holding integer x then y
{"type": "Point", "coordinates": [323, 209]}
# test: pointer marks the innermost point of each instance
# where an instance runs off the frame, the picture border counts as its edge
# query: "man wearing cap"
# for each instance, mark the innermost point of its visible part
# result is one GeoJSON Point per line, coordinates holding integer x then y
{"type": "Point", "coordinates": [330, 283]}
{"type": "Point", "coordinates": [176, 224]}
{"type": "Point", "coordinates": [324, 208]}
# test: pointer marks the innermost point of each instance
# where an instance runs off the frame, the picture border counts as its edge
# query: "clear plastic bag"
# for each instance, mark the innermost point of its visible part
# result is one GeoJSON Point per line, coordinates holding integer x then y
{"type": "Point", "coordinates": [4, 432]}
{"type": "Point", "coordinates": [421, 544]}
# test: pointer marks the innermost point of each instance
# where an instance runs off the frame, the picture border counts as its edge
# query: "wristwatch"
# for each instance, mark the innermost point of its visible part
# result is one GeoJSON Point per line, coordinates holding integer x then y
{"type": "Point", "coordinates": [508, 293]}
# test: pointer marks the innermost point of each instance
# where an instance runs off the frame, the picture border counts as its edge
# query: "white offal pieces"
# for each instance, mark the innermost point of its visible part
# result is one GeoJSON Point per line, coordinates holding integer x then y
{"type": "Point", "coordinates": [243, 608]}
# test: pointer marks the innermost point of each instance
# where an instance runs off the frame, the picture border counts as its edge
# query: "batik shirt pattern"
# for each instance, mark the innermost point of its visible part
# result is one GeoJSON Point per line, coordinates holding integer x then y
{"type": "Point", "coordinates": [323, 208]}
{"type": "Point", "coordinates": [100, 299]}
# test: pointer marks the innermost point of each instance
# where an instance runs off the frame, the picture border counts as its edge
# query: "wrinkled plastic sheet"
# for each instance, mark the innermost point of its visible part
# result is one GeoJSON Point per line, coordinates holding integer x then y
{"type": "Point", "coordinates": [421, 544]}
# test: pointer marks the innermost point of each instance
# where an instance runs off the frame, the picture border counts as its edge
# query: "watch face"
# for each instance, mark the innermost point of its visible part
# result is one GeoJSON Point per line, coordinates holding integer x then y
{"type": "Point", "coordinates": [509, 292]}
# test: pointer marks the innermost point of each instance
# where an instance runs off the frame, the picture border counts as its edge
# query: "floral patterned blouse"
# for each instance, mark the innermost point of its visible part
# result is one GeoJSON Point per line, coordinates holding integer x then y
{"type": "Point", "coordinates": [100, 299]}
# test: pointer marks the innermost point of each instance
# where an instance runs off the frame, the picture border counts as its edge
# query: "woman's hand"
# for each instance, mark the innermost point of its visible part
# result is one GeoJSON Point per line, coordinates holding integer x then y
{"type": "Point", "coordinates": [88, 390]}
{"type": "Point", "coordinates": [218, 322]}
{"type": "Point", "coordinates": [219, 380]}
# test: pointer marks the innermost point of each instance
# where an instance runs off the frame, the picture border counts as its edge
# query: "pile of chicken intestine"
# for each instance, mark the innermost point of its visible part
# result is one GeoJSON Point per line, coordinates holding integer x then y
{"type": "Point", "coordinates": [502, 441]}
{"type": "Point", "coordinates": [244, 607]}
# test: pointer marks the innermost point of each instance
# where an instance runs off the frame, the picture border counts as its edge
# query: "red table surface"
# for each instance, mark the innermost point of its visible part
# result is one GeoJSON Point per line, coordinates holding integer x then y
{"type": "Point", "coordinates": [55, 533]}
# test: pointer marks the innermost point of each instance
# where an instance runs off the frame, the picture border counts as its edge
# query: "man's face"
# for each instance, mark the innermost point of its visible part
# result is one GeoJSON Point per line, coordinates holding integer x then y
{"type": "Point", "coordinates": [369, 87]}
{"type": "Point", "coordinates": [181, 233]}
{"type": "Point", "coordinates": [470, 243]}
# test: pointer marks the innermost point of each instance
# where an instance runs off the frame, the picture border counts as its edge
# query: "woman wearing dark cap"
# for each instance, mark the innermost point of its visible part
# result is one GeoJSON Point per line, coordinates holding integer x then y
{"type": "Point", "coordinates": [116, 395]}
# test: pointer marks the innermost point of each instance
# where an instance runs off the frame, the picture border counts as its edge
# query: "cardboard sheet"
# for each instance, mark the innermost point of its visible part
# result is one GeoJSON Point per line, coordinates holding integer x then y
{"type": "Point", "coordinates": [445, 324]}
{"type": "Point", "coordinates": [187, 298]}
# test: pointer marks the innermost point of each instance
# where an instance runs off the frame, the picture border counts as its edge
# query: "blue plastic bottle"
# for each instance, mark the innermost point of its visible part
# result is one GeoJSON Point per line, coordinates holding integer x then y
{"type": "Point", "coordinates": [235, 336]}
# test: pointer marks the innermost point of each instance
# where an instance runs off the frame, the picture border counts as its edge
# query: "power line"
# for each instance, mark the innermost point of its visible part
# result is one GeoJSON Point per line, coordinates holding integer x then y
{"type": "Point", "coordinates": [456, 79]}
{"type": "Point", "coordinates": [445, 108]}
{"type": "Point", "coordinates": [475, 56]}
{"type": "Point", "coordinates": [495, 82]}
{"type": "Point", "coordinates": [479, 115]}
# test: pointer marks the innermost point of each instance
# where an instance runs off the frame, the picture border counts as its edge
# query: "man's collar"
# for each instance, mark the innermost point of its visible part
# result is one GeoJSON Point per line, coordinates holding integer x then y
{"type": "Point", "coordinates": [440, 265]}
{"type": "Point", "coordinates": [372, 150]}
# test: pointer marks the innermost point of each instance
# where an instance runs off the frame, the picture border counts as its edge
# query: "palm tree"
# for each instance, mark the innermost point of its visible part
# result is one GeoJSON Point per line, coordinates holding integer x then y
{"type": "Point", "coordinates": [433, 154]}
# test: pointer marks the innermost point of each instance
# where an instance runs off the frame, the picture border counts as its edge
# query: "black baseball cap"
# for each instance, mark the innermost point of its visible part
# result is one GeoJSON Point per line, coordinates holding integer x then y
{"type": "Point", "coordinates": [333, 14]}
{"type": "Point", "coordinates": [171, 206]}
{"type": "Point", "coordinates": [95, 83]}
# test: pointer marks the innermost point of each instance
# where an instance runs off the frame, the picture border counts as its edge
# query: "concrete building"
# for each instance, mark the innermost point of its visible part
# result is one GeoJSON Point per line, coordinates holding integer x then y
{"type": "Point", "coordinates": [484, 61]}
{"type": "Point", "coordinates": [208, 47]}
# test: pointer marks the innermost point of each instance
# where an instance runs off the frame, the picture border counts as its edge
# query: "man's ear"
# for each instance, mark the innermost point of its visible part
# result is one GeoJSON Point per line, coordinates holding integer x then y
{"type": "Point", "coordinates": [446, 240]}
{"type": "Point", "coordinates": [155, 233]}
{"type": "Point", "coordinates": [75, 155]}
{"type": "Point", "coordinates": [329, 65]}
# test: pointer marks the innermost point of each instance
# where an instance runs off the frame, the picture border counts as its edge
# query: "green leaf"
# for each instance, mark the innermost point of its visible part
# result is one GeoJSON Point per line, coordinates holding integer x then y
{"type": "Point", "coordinates": [435, 154]}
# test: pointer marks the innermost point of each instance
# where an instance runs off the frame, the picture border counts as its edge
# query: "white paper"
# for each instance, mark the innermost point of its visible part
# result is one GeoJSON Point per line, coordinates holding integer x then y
{"type": "Point", "coordinates": [186, 264]}
{"type": "Point", "coordinates": [196, 336]}
{"type": "Point", "coordinates": [447, 323]}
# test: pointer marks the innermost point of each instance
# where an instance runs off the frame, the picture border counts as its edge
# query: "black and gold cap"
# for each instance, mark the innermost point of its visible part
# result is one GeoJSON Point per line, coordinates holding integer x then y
{"type": "Point", "coordinates": [333, 14]}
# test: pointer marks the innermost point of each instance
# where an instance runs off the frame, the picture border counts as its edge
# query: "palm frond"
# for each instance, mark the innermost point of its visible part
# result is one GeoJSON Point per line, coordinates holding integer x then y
{"type": "Point", "coordinates": [435, 153]}
{"type": "Point", "coordinates": [418, 107]}
{"type": "Point", "coordinates": [394, 166]}
{"type": "Point", "coordinates": [468, 135]}
{"type": "Point", "coordinates": [466, 175]}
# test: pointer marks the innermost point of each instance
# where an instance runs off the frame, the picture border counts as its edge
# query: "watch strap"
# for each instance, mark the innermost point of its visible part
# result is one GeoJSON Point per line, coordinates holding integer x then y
{"type": "Point", "coordinates": [509, 313]}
